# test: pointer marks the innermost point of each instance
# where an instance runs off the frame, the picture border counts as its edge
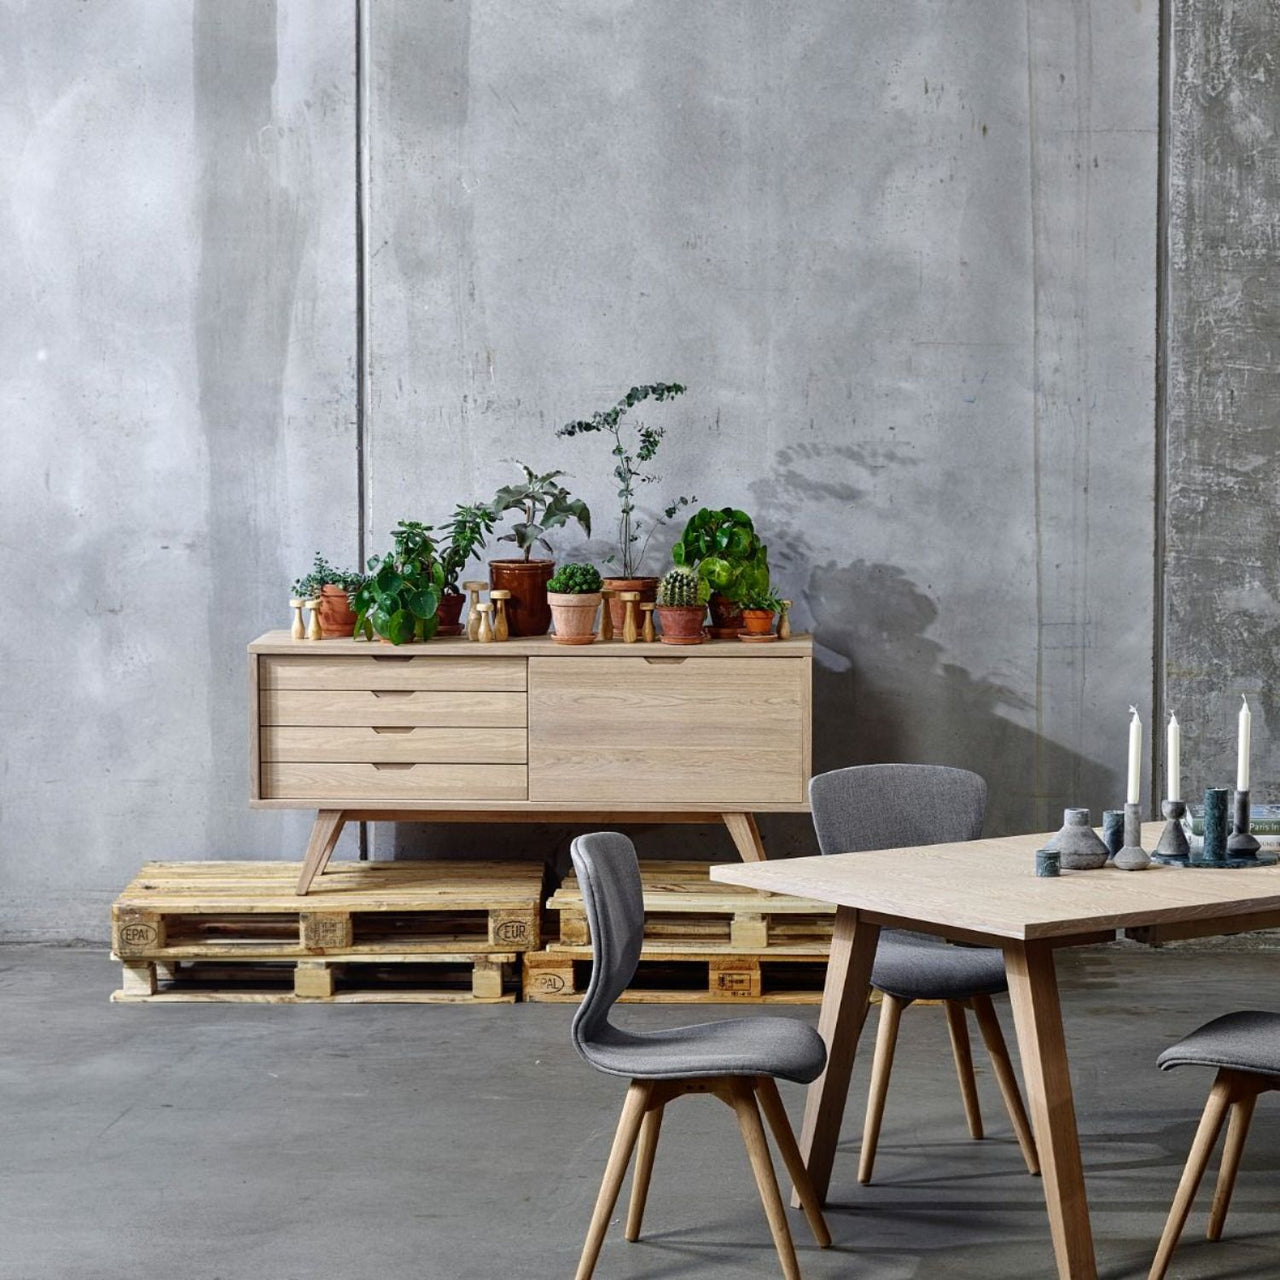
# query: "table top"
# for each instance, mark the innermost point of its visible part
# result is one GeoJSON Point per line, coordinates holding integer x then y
{"type": "Point", "coordinates": [989, 887]}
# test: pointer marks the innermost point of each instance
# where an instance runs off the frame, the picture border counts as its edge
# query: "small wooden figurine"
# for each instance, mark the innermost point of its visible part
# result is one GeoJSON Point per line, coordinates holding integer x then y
{"type": "Point", "coordinates": [647, 632]}
{"type": "Point", "coordinates": [473, 616]}
{"type": "Point", "coordinates": [313, 627]}
{"type": "Point", "coordinates": [484, 629]}
{"type": "Point", "coordinates": [500, 629]}
{"type": "Point", "coordinates": [606, 615]}
{"type": "Point", "coordinates": [784, 620]}
{"type": "Point", "coordinates": [297, 631]}
{"type": "Point", "coordinates": [630, 631]}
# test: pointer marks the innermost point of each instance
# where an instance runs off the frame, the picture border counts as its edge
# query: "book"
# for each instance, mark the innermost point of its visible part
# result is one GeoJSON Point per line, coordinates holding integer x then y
{"type": "Point", "coordinates": [1264, 819]}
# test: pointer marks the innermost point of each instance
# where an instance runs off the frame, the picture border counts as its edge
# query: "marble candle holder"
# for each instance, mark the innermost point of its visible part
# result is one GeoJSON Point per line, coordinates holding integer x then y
{"type": "Point", "coordinates": [1113, 830]}
{"type": "Point", "coordinates": [1132, 857]}
{"type": "Point", "coordinates": [1173, 849]}
{"type": "Point", "coordinates": [1243, 848]}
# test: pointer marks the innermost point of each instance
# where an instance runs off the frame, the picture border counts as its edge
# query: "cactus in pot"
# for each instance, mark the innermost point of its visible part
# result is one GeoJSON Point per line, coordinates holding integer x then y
{"type": "Point", "coordinates": [682, 606]}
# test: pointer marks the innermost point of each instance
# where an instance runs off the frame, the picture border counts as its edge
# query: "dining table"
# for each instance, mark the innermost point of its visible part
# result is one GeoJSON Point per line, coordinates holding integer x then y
{"type": "Point", "coordinates": [986, 892]}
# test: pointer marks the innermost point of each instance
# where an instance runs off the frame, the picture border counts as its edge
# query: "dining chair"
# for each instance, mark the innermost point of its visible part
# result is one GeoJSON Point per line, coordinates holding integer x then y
{"type": "Point", "coordinates": [1245, 1049]}
{"type": "Point", "coordinates": [737, 1060]}
{"type": "Point", "coordinates": [891, 806]}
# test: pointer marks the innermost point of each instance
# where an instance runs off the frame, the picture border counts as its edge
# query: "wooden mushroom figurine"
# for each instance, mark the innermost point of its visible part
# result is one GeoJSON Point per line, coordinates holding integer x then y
{"type": "Point", "coordinates": [484, 629]}
{"type": "Point", "coordinates": [500, 629]}
{"type": "Point", "coordinates": [630, 629]}
{"type": "Point", "coordinates": [606, 614]}
{"type": "Point", "coordinates": [473, 590]}
{"type": "Point", "coordinates": [297, 631]}
{"type": "Point", "coordinates": [784, 620]}
{"type": "Point", "coordinates": [313, 627]}
{"type": "Point", "coordinates": [647, 632]}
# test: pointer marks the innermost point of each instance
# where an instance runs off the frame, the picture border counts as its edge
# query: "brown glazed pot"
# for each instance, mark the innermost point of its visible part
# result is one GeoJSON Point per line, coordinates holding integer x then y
{"type": "Point", "coordinates": [757, 622]}
{"type": "Point", "coordinates": [681, 624]}
{"type": "Point", "coordinates": [648, 589]}
{"type": "Point", "coordinates": [726, 617]}
{"type": "Point", "coordinates": [574, 614]}
{"type": "Point", "coordinates": [449, 613]}
{"type": "Point", "coordinates": [528, 613]}
{"type": "Point", "coordinates": [337, 617]}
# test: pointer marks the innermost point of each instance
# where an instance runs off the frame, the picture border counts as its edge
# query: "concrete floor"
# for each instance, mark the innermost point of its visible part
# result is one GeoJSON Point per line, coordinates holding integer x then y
{"type": "Point", "coordinates": [211, 1142]}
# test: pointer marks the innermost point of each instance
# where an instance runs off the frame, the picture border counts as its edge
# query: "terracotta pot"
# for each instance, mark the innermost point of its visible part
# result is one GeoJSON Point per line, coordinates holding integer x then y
{"type": "Point", "coordinates": [726, 617]}
{"type": "Point", "coordinates": [574, 614]}
{"type": "Point", "coordinates": [528, 613]}
{"type": "Point", "coordinates": [449, 613]}
{"type": "Point", "coordinates": [681, 624]}
{"type": "Point", "coordinates": [337, 617]}
{"type": "Point", "coordinates": [757, 622]}
{"type": "Point", "coordinates": [648, 589]}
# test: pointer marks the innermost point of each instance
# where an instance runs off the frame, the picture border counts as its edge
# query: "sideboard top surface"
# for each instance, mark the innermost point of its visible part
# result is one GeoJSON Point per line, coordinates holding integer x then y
{"type": "Point", "coordinates": [798, 646]}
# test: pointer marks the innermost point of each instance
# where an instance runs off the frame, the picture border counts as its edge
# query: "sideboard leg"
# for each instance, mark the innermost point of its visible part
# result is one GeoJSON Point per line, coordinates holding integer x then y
{"type": "Point", "coordinates": [324, 836]}
{"type": "Point", "coordinates": [746, 835]}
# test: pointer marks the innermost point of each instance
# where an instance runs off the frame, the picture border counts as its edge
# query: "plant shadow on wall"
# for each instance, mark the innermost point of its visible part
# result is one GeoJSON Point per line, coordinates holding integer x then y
{"type": "Point", "coordinates": [882, 689]}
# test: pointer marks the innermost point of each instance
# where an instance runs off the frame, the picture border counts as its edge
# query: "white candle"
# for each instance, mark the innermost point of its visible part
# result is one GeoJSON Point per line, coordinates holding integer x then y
{"type": "Point", "coordinates": [1242, 752]}
{"type": "Point", "coordinates": [1135, 757]}
{"type": "Point", "coordinates": [1173, 784]}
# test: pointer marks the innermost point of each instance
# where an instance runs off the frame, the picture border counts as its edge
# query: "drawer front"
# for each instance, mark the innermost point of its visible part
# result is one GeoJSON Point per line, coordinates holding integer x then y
{"type": "Point", "coordinates": [336, 744]}
{"type": "Point", "coordinates": [391, 708]}
{"type": "Point", "coordinates": [393, 671]}
{"type": "Point", "coordinates": [321, 782]}
{"type": "Point", "coordinates": [721, 731]}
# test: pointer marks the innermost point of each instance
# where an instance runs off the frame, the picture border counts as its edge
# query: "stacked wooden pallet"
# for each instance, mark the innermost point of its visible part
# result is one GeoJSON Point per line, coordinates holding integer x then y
{"type": "Point", "coordinates": [368, 931]}
{"type": "Point", "coordinates": [703, 942]}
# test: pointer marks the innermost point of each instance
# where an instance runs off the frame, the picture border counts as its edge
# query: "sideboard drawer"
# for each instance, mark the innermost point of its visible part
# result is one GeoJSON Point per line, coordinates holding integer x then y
{"type": "Point", "coordinates": [391, 707]}
{"type": "Point", "coordinates": [393, 671]}
{"type": "Point", "coordinates": [310, 744]}
{"type": "Point", "coordinates": [323, 782]}
{"type": "Point", "coordinates": [728, 732]}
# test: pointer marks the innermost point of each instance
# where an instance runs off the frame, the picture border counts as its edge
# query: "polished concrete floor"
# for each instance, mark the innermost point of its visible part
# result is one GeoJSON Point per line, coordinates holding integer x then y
{"type": "Point", "coordinates": [215, 1142]}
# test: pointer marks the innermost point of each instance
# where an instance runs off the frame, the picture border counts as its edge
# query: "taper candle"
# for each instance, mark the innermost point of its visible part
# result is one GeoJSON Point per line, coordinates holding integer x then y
{"type": "Point", "coordinates": [1135, 757]}
{"type": "Point", "coordinates": [1173, 783]}
{"type": "Point", "coordinates": [1242, 752]}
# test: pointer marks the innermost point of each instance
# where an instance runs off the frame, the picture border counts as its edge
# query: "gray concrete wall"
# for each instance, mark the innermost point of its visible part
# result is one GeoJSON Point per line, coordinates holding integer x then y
{"type": "Point", "coordinates": [902, 254]}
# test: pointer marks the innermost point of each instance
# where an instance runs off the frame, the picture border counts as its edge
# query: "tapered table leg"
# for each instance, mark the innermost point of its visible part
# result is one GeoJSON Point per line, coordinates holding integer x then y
{"type": "Point", "coordinates": [324, 839]}
{"type": "Point", "coordinates": [746, 836]}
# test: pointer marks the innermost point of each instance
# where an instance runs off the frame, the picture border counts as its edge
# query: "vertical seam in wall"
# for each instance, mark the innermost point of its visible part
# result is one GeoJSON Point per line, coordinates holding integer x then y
{"type": "Point", "coordinates": [362, 400]}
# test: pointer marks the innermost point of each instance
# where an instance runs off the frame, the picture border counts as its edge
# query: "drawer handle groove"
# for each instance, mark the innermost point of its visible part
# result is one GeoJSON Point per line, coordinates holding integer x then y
{"type": "Point", "coordinates": [665, 662]}
{"type": "Point", "coordinates": [395, 766]}
{"type": "Point", "coordinates": [392, 693]}
{"type": "Point", "coordinates": [392, 728]}
{"type": "Point", "coordinates": [392, 657]}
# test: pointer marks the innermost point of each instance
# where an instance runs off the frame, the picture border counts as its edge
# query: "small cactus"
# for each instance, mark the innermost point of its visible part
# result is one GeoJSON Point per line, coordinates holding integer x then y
{"type": "Point", "coordinates": [682, 589]}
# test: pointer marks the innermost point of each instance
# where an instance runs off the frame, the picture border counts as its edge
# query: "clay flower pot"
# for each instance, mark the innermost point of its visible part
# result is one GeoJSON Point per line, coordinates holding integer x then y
{"type": "Point", "coordinates": [681, 624]}
{"type": "Point", "coordinates": [574, 614]}
{"type": "Point", "coordinates": [449, 613]}
{"type": "Point", "coordinates": [647, 587]}
{"type": "Point", "coordinates": [528, 613]}
{"type": "Point", "coordinates": [757, 622]}
{"type": "Point", "coordinates": [337, 617]}
{"type": "Point", "coordinates": [726, 617]}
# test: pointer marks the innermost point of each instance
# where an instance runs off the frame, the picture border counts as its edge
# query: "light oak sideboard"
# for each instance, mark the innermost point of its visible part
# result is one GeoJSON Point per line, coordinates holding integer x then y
{"type": "Point", "coordinates": [528, 730]}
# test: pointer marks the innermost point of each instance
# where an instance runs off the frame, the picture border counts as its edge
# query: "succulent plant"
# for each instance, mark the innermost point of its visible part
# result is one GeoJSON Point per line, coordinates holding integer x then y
{"type": "Point", "coordinates": [575, 580]}
{"type": "Point", "coordinates": [682, 589]}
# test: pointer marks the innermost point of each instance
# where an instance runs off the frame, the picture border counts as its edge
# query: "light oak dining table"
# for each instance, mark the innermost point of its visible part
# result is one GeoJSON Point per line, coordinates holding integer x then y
{"type": "Point", "coordinates": [986, 892]}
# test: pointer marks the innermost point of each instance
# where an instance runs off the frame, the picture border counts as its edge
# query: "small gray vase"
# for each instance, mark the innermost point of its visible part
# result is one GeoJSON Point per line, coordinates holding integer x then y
{"type": "Point", "coordinates": [1079, 844]}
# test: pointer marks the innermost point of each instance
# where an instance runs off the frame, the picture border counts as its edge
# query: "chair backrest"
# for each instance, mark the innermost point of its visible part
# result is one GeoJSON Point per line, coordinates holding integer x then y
{"type": "Point", "coordinates": [891, 806]}
{"type": "Point", "coordinates": [609, 878]}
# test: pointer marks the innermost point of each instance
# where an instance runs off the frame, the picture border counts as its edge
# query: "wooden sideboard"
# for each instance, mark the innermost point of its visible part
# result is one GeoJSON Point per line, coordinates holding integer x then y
{"type": "Point", "coordinates": [528, 730]}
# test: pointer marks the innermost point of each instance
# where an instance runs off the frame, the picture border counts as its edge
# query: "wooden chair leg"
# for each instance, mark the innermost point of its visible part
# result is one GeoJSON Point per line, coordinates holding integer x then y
{"type": "Point", "coordinates": [998, 1051]}
{"type": "Point", "coordinates": [648, 1145]}
{"type": "Point", "coordinates": [775, 1113]}
{"type": "Point", "coordinates": [1237, 1131]}
{"type": "Point", "coordinates": [1206, 1135]}
{"type": "Point", "coordinates": [624, 1142]}
{"type": "Point", "coordinates": [881, 1065]}
{"type": "Point", "coordinates": [744, 1106]}
{"type": "Point", "coordinates": [958, 1026]}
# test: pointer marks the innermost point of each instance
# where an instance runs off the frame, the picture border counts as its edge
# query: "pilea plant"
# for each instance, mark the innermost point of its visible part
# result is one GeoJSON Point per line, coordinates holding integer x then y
{"type": "Point", "coordinates": [575, 580]}
{"type": "Point", "coordinates": [323, 574]}
{"type": "Point", "coordinates": [399, 599]}
{"type": "Point", "coordinates": [544, 503]}
{"type": "Point", "coordinates": [726, 551]}
{"type": "Point", "coordinates": [682, 589]}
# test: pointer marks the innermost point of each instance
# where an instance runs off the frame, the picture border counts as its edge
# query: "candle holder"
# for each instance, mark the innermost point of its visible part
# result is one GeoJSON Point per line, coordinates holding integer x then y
{"type": "Point", "coordinates": [1113, 830]}
{"type": "Point", "coordinates": [1173, 849]}
{"type": "Point", "coordinates": [1243, 849]}
{"type": "Point", "coordinates": [1213, 852]}
{"type": "Point", "coordinates": [1132, 857]}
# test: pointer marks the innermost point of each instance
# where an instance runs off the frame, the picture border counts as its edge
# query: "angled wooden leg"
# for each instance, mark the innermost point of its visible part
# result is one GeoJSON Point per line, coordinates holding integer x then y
{"type": "Point", "coordinates": [958, 1026]}
{"type": "Point", "coordinates": [844, 1010]}
{"type": "Point", "coordinates": [1037, 1014]}
{"type": "Point", "coordinates": [624, 1142]}
{"type": "Point", "coordinates": [1215, 1111]}
{"type": "Point", "coordinates": [881, 1067]}
{"type": "Point", "coordinates": [998, 1051]}
{"type": "Point", "coordinates": [775, 1113]}
{"type": "Point", "coordinates": [649, 1131]}
{"type": "Point", "coordinates": [324, 839]}
{"type": "Point", "coordinates": [1244, 1099]}
{"type": "Point", "coordinates": [746, 836]}
{"type": "Point", "coordinates": [744, 1106]}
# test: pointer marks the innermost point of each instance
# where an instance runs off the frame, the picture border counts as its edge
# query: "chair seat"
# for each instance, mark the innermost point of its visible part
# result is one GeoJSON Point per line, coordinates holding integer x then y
{"type": "Point", "coordinates": [782, 1047]}
{"type": "Point", "coordinates": [922, 968]}
{"type": "Point", "coordinates": [1245, 1041]}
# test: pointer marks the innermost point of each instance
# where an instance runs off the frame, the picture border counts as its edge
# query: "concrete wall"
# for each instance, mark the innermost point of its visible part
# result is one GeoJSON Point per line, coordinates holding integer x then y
{"type": "Point", "coordinates": [901, 253]}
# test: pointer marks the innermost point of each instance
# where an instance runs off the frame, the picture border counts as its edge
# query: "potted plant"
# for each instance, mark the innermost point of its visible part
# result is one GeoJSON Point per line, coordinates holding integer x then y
{"type": "Point", "coordinates": [400, 599]}
{"type": "Point", "coordinates": [574, 596]}
{"type": "Point", "coordinates": [682, 606]}
{"type": "Point", "coordinates": [630, 452]}
{"type": "Point", "coordinates": [543, 504]}
{"type": "Point", "coordinates": [464, 536]}
{"type": "Point", "coordinates": [334, 589]}
{"type": "Point", "coordinates": [729, 556]}
{"type": "Point", "coordinates": [758, 610]}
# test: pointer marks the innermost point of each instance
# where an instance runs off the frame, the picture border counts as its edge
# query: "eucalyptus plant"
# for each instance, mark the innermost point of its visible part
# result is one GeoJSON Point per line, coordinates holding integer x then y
{"type": "Point", "coordinates": [399, 599]}
{"type": "Point", "coordinates": [544, 504]}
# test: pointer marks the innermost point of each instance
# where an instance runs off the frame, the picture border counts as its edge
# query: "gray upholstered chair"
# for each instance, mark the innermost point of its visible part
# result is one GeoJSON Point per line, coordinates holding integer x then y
{"type": "Point", "coordinates": [737, 1060]}
{"type": "Point", "coordinates": [890, 806]}
{"type": "Point", "coordinates": [1245, 1049]}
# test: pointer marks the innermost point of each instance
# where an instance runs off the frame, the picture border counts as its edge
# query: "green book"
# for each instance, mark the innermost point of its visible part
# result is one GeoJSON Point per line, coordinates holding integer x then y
{"type": "Point", "coordinates": [1264, 819]}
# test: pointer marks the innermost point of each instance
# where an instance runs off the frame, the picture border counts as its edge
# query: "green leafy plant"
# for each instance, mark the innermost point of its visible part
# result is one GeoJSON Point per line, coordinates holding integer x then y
{"type": "Point", "coordinates": [544, 503]}
{"type": "Point", "coordinates": [464, 536]}
{"type": "Point", "coordinates": [399, 598]}
{"type": "Point", "coordinates": [323, 574]}
{"type": "Point", "coordinates": [575, 580]}
{"type": "Point", "coordinates": [766, 600]}
{"type": "Point", "coordinates": [682, 589]}
{"type": "Point", "coordinates": [630, 455]}
{"type": "Point", "coordinates": [723, 546]}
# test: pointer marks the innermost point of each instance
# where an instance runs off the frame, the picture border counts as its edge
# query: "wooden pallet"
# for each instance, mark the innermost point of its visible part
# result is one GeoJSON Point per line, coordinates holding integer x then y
{"type": "Point", "coordinates": [684, 910]}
